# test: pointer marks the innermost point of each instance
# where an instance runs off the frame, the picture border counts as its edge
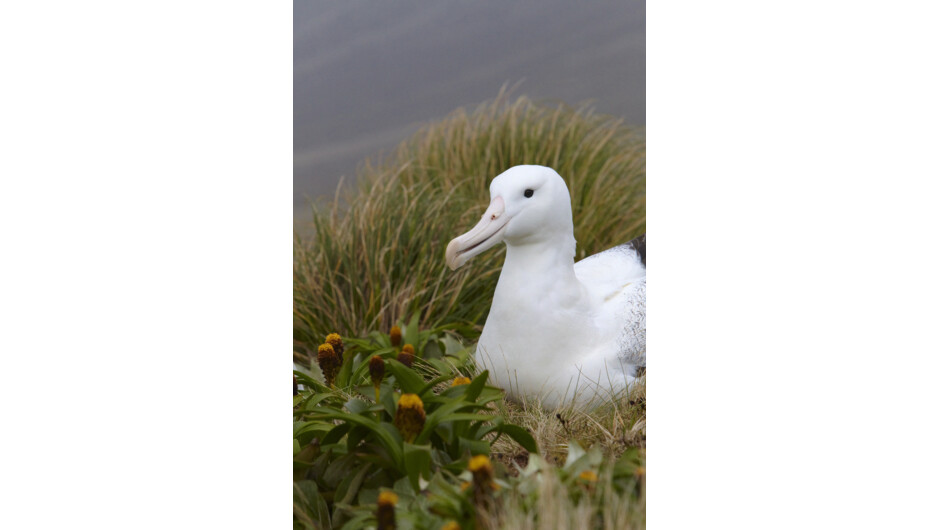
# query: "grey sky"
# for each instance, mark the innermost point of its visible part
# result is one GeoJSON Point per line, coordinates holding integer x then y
{"type": "Point", "coordinates": [368, 73]}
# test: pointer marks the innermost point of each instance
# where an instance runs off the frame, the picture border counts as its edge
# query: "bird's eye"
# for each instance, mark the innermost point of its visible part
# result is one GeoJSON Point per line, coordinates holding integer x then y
{"type": "Point", "coordinates": [528, 193]}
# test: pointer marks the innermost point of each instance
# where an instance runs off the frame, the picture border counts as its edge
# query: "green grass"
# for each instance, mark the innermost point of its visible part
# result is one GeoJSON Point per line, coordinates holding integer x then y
{"type": "Point", "coordinates": [376, 252]}
{"type": "Point", "coordinates": [375, 257]}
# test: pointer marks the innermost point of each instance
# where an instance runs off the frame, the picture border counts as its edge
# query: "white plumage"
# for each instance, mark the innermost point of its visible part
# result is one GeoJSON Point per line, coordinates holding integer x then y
{"type": "Point", "coordinates": [557, 330]}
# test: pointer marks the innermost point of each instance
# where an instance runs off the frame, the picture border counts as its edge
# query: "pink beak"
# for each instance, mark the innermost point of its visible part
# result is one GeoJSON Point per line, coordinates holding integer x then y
{"type": "Point", "coordinates": [484, 235]}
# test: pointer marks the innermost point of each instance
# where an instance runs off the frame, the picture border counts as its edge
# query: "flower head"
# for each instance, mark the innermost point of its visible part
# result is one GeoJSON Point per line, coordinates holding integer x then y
{"type": "Point", "coordinates": [395, 335]}
{"type": "Point", "coordinates": [460, 381]}
{"type": "Point", "coordinates": [377, 371]}
{"type": "Point", "coordinates": [483, 485]}
{"type": "Point", "coordinates": [407, 355]}
{"type": "Point", "coordinates": [334, 340]}
{"type": "Point", "coordinates": [386, 511]}
{"type": "Point", "coordinates": [451, 525]}
{"type": "Point", "coordinates": [588, 476]}
{"type": "Point", "coordinates": [410, 416]}
{"type": "Point", "coordinates": [329, 362]}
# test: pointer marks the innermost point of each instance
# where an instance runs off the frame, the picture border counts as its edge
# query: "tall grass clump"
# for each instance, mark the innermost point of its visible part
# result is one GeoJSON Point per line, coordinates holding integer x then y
{"type": "Point", "coordinates": [376, 253]}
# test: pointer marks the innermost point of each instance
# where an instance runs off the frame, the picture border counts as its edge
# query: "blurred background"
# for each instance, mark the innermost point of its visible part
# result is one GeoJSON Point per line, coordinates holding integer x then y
{"type": "Point", "coordinates": [367, 74]}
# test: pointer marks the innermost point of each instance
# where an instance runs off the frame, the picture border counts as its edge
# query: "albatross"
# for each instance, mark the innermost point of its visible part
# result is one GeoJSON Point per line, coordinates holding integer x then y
{"type": "Point", "coordinates": [557, 330]}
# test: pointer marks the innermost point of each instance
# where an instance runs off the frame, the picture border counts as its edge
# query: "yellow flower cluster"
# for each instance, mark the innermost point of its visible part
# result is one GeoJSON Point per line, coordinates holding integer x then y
{"type": "Point", "coordinates": [483, 485]}
{"type": "Point", "coordinates": [407, 355]}
{"type": "Point", "coordinates": [334, 340]}
{"type": "Point", "coordinates": [410, 416]}
{"type": "Point", "coordinates": [460, 381]}
{"type": "Point", "coordinates": [386, 511]}
{"type": "Point", "coordinates": [329, 362]}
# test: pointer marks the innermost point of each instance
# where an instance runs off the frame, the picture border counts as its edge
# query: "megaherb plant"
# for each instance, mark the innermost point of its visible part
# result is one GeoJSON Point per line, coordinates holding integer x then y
{"type": "Point", "coordinates": [371, 423]}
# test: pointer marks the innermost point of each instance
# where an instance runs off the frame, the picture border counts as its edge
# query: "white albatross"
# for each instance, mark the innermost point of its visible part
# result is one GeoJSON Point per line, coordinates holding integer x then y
{"type": "Point", "coordinates": [557, 330]}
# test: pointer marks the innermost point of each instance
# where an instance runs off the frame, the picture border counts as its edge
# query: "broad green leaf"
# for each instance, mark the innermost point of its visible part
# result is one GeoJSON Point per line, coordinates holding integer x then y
{"type": "Point", "coordinates": [310, 503]}
{"type": "Point", "coordinates": [417, 460]}
{"type": "Point", "coordinates": [384, 437]}
{"type": "Point", "coordinates": [474, 447]}
{"type": "Point", "coordinates": [432, 350]}
{"type": "Point", "coordinates": [520, 435]}
{"type": "Point", "coordinates": [435, 417]}
{"type": "Point", "coordinates": [342, 378]}
{"type": "Point", "coordinates": [465, 416]}
{"type": "Point", "coordinates": [356, 406]}
{"type": "Point", "coordinates": [476, 386]}
{"type": "Point", "coordinates": [335, 434]}
{"type": "Point", "coordinates": [410, 333]}
{"type": "Point", "coordinates": [409, 381]}
{"type": "Point", "coordinates": [349, 487]}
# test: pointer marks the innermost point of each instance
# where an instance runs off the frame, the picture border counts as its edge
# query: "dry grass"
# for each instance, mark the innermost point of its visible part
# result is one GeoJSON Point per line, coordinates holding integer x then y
{"type": "Point", "coordinates": [376, 251]}
{"type": "Point", "coordinates": [613, 426]}
{"type": "Point", "coordinates": [555, 509]}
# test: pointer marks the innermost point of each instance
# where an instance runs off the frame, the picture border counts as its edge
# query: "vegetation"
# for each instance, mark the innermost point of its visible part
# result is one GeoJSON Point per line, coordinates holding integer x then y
{"type": "Point", "coordinates": [376, 253]}
{"type": "Point", "coordinates": [381, 444]}
{"type": "Point", "coordinates": [397, 427]}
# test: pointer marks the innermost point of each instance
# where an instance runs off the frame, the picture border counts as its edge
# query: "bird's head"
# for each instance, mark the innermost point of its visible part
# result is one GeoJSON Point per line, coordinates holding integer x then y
{"type": "Point", "coordinates": [528, 205]}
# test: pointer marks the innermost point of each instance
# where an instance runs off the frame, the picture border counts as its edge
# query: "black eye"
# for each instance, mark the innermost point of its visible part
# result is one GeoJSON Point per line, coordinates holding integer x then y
{"type": "Point", "coordinates": [529, 192]}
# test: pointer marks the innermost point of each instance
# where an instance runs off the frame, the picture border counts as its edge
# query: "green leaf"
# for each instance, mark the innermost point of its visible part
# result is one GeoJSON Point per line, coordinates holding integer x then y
{"type": "Point", "coordinates": [432, 350]}
{"type": "Point", "coordinates": [310, 504]}
{"type": "Point", "coordinates": [474, 447]}
{"type": "Point", "coordinates": [335, 434]}
{"type": "Point", "coordinates": [417, 459]}
{"type": "Point", "coordinates": [476, 386]}
{"type": "Point", "coordinates": [356, 406]}
{"type": "Point", "coordinates": [349, 487]}
{"type": "Point", "coordinates": [387, 441]}
{"type": "Point", "coordinates": [520, 435]}
{"type": "Point", "coordinates": [466, 416]}
{"type": "Point", "coordinates": [410, 333]}
{"type": "Point", "coordinates": [342, 378]}
{"type": "Point", "coordinates": [409, 381]}
{"type": "Point", "coordinates": [435, 418]}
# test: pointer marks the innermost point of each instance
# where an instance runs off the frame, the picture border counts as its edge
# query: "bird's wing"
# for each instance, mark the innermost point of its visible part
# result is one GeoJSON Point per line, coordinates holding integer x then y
{"type": "Point", "coordinates": [614, 267]}
{"type": "Point", "coordinates": [616, 280]}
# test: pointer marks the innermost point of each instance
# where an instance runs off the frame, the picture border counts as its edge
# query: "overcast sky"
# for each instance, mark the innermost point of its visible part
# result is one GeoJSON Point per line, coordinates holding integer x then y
{"type": "Point", "coordinates": [368, 73]}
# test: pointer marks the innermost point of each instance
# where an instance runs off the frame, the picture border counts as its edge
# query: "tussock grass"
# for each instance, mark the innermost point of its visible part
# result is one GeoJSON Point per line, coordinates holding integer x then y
{"type": "Point", "coordinates": [376, 252]}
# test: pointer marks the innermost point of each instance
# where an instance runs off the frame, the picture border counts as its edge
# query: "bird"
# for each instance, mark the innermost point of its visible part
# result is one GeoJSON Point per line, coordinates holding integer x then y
{"type": "Point", "coordinates": [557, 330]}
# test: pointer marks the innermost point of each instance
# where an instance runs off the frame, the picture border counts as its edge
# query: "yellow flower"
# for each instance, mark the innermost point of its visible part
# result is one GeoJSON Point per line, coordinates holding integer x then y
{"type": "Point", "coordinates": [329, 362]}
{"type": "Point", "coordinates": [377, 371]}
{"type": "Point", "coordinates": [395, 335]}
{"type": "Point", "coordinates": [588, 476]}
{"type": "Point", "coordinates": [483, 485]}
{"type": "Point", "coordinates": [407, 355]}
{"type": "Point", "coordinates": [410, 416]}
{"type": "Point", "coordinates": [480, 464]}
{"type": "Point", "coordinates": [451, 525]}
{"type": "Point", "coordinates": [460, 381]}
{"type": "Point", "coordinates": [336, 342]}
{"type": "Point", "coordinates": [386, 511]}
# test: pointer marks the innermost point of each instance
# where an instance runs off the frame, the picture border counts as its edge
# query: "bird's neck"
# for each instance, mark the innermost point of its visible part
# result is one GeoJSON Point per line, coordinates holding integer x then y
{"type": "Point", "coordinates": [550, 262]}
